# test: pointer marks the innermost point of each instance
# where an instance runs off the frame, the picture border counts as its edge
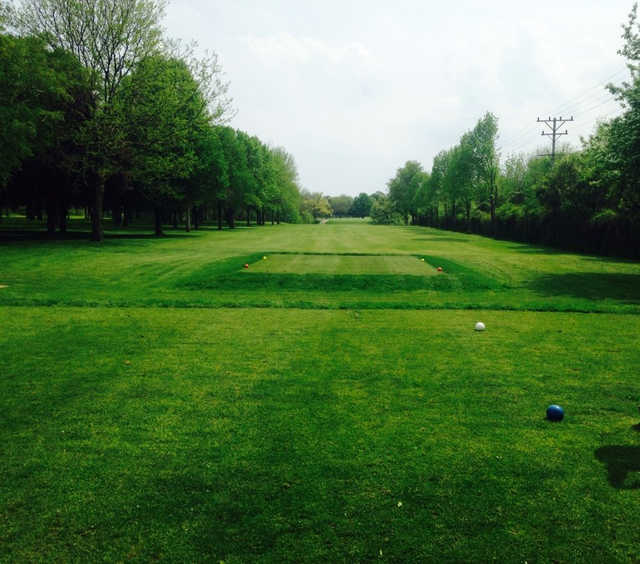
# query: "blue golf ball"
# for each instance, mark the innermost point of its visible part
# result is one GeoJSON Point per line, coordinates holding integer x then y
{"type": "Point", "coordinates": [555, 413]}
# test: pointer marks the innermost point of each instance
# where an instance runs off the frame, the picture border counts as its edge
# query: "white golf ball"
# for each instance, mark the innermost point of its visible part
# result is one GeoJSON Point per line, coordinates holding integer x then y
{"type": "Point", "coordinates": [480, 326]}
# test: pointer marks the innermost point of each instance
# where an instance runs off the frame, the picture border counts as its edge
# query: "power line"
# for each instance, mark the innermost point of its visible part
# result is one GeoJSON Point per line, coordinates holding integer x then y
{"type": "Point", "coordinates": [523, 140]}
{"type": "Point", "coordinates": [584, 97]}
{"type": "Point", "coordinates": [588, 101]}
{"type": "Point", "coordinates": [611, 99]}
{"type": "Point", "coordinates": [574, 100]}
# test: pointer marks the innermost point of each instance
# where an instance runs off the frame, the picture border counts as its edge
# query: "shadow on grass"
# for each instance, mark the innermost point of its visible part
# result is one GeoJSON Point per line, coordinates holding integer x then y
{"type": "Point", "coordinates": [8, 236]}
{"type": "Point", "coordinates": [620, 462]}
{"type": "Point", "coordinates": [165, 235]}
{"type": "Point", "coordinates": [441, 239]}
{"type": "Point", "coordinates": [535, 250]}
{"type": "Point", "coordinates": [590, 285]}
{"type": "Point", "coordinates": [323, 282]}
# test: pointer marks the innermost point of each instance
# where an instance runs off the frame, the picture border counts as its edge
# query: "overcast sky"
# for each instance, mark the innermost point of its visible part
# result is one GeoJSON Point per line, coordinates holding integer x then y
{"type": "Point", "coordinates": [354, 89]}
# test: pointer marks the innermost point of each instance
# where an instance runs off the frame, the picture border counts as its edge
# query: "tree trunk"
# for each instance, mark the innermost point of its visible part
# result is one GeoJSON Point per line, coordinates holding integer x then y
{"type": "Point", "coordinates": [97, 232]}
{"type": "Point", "coordinates": [248, 216]}
{"type": "Point", "coordinates": [230, 218]}
{"type": "Point", "coordinates": [187, 224]}
{"type": "Point", "coordinates": [219, 215]}
{"type": "Point", "coordinates": [196, 218]}
{"type": "Point", "coordinates": [273, 217]}
{"type": "Point", "coordinates": [158, 221]}
{"type": "Point", "coordinates": [52, 215]}
{"type": "Point", "coordinates": [127, 216]}
{"type": "Point", "coordinates": [116, 215]}
{"type": "Point", "coordinates": [492, 202]}
{"type": "Point", "coordinates": [62, 218]}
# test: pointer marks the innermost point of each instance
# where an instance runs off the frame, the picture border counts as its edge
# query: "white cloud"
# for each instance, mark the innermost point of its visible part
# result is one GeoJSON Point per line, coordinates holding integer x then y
{"type": "Point", "coordinates": [354, 89]}
{"type": "Point", "coordinates": [286, 48]}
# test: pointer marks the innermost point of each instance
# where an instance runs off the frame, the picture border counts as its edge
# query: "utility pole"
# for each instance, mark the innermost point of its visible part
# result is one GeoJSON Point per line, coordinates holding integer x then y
{"type": "Point", "coordinates": [554, 124]}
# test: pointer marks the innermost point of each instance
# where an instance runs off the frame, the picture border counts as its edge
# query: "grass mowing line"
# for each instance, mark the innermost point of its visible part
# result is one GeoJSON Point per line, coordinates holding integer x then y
{"type": "Point", "coordinates": [312, 305]}
{"type": "Point", "coordinates": [346, 254]}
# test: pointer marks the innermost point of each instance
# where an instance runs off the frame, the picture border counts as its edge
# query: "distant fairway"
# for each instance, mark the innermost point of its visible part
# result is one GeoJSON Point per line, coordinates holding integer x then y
{"type": "Point", "coordinates": [204, 269]}
{"type": "Point", "coordinates": [330, 403]}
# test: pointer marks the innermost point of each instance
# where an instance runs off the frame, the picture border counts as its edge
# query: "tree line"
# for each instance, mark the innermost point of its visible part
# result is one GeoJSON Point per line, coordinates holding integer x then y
{"type": "Point", "coordinates": [316, 205]}
{"type": "Point", "coordinates": [99, 110]}
{"type": "Point", "coordinates": [586, 200]}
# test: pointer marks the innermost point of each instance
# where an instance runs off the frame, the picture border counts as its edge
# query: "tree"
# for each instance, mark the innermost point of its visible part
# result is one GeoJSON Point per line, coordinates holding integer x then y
{"type": "Point", "coordinates": [315, 205]}
{"type": "Point", "coordinates": [212, 177]}
{"type": "Point", "coordinates": [286, 200]}
{"type": "Point", "coordinates": [109, 38]}
{"type": "Point", "coordinates": [5, 14]}
{"type": "Point", "coordinates": [361, 206]}
{"type": "Point", "coordinates": [37, 86]}
{"type": "Point", "coordinates": [383, 212]}
{"type": "Point", "coordinates": [340, 205]}
{"type": "Point", "coordinates": [436, 181]}
{"type": "Point", "coordinates": [485, 160]}
{"type": "Point", "coordinates": [163, 118]}
{"type": "Point", "coordinates": [462, 174]}
{"type": "Point", "coordinates": [403, 187]}
{"type": "Point", "coordinates": [512, 180]}
{"type": "Point", "coordinates": [423, 201]}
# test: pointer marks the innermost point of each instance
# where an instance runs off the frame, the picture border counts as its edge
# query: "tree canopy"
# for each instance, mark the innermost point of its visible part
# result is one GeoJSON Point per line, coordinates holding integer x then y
{"type": "Point", "coordinates": [102, 111]}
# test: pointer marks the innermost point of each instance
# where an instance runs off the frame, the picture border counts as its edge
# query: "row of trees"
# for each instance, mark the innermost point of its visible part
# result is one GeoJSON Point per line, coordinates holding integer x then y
{"type": "Point", "coordinates": [100, 111]}
{"type": "Point", "coordinates": [587, 200]}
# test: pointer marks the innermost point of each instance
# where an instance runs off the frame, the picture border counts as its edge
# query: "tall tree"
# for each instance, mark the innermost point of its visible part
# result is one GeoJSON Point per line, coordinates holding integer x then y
{"type": "Point", "coordinates": [109, 37]}
{"type": "Point", "coordinates": [37, 86]}
{"type": "Point", "coordinates": [485, 159]}
{"type": "Point", "coordinates": [403, 187]}
{"type": "Point", "coordinates": [163, 117]}
{"type": "Point", "coordinates": [624, 133]}
{"type": "Point", "coordinates": [287, 198]}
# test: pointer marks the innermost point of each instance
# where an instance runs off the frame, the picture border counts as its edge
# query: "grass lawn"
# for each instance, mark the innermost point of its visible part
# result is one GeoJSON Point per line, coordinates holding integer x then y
{"type": "Point", "coordinates": [333, 264]}
{"type": "Point", "coordinates": [330, 403]}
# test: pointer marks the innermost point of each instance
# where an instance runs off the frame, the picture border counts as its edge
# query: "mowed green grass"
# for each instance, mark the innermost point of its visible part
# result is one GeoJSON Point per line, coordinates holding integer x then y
{"type": "Point", "coordinates": [204, 269]}
{"type": "Point", "coordinates": [349, 415]}
{"type": "Point", "coordinates": [339, 264]}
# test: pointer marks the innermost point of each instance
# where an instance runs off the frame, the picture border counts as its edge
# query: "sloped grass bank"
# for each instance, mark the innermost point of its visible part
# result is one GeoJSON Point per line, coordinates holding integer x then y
{"type": "Point", "coordinates": [262, 275]}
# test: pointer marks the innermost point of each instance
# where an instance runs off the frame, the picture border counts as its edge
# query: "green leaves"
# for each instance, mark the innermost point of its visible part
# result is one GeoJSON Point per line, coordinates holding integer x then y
{"type": "Point", "coordinates": [404, 186]}
{"type": "Point", "coordinates": [37, 85]}
{"type": "Point", "coordinates": [163, 115]}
